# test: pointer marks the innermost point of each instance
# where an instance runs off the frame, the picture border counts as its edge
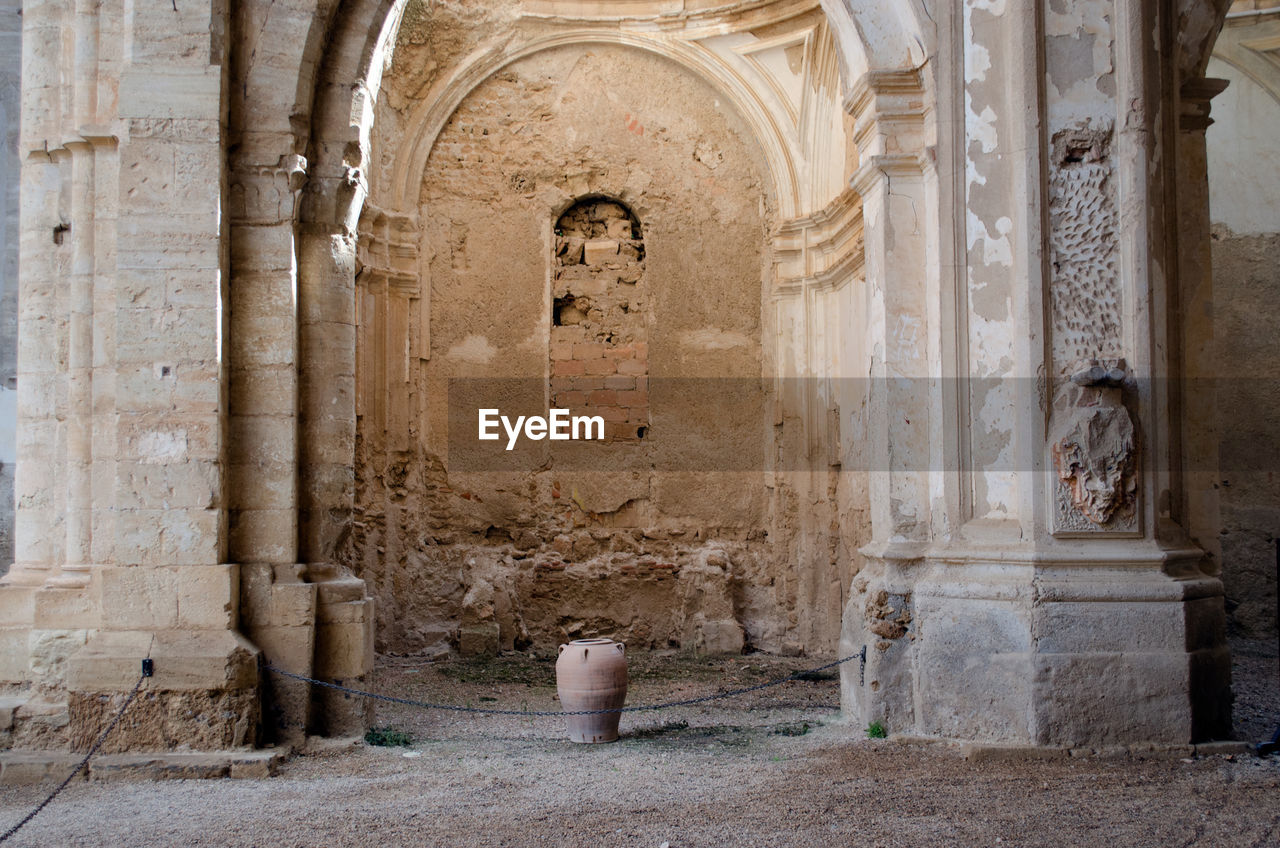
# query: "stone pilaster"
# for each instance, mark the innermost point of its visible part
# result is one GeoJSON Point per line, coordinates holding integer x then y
{"type": "Point", "coordinates": [896, 183]}
{"type": "Point", "coordinates": [1054, 597]}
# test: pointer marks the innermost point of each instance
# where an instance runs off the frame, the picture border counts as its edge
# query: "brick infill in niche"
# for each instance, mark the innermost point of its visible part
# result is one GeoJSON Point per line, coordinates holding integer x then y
{"type": "Point", "coordinates": [599, 318]}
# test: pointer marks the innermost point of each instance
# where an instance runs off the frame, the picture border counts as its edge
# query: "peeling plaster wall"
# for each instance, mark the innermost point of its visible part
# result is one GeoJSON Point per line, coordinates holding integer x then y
{"type": "Point", "coordinates": [1244, 205]}
{"type": "Point", "coordinates": [989, 194]}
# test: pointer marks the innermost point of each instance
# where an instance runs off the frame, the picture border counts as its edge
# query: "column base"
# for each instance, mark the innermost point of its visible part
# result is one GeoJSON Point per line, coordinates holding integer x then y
{"type": "Point", "coordinates": [204, 695]}
{"type": "Point", "coordinates": [1055, 652]}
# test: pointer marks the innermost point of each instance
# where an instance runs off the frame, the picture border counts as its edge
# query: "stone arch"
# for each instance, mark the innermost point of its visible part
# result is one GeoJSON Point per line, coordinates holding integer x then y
{"type": "Point", "coordinates": [343, 221]}
{"type": "Point", "coordinates": [346, 85]}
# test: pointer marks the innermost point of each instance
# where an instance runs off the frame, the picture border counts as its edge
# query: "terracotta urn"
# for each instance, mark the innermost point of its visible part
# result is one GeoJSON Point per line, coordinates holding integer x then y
{"type": "Point", "coordinates": [591, 674]}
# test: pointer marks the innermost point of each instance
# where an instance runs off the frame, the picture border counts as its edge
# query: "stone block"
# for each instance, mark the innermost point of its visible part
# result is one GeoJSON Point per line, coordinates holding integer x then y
{"type": "Point", "coordinates": [1221, 749]}
{"type": "Point", "coordinates": [171, 92]}
{"type": "Point", "coordinates": [255, 765]}
{"type": "Point", "coordinates": [40, 722]}
{"type": "Point", "coordinates": [208, 596]}
{"type": "Point", "coordinates": [1206, 623]}
{"type": "Point", "coordinates": [633, 367]}
{"type": "Point", "coordinates": [996, 753]}
{"type": "Point", "coordinates": [172, 242]}
{"type": "Point", "coordinates": [264, 535]}
{"type": "Point", "coordinates": [17, 604]}
{"type": "Point", "coordinates": [344, 640]}
{"type": "Point", "coordinates": [1090, 627]}
{"type": "Point", "coordinates": [1111, 699]}
{"type": "Point", "coordinates": [975, 694]}
{"type": "Point", "coordinates": [341, 715]}
{"type": "Point", "coordinates": [340, 591]}
{"type": "Point", "coordinates": [719, 637]}
{"type": "Point", "coordinates": [18, 768]}
{"type": "Point", "coordinates": [949, 624]}
{"type": "Point", "coordinates": [8, 706]}
{"type": "Point", "coordinates": [49, 650]}
{"type": "Point", "coordinates": [266, 389]}
{"type": "Point", "coordinates": [286, 702]}
{"type": "Point", "coordinates": [259, 249]}
{"type": "Point", "coordinates": [1210, 689]}
{"type": "Point", "coordinates": [141, 597]}
{"type": "Point", "coordinates": [171, 766]}
{"type": "Point", "coordinates": [293, 604]}
{"type": "Point", "coordinates": [166, 437]}
{"type": "Point", "coordinates": [144, 485]}
{"type": "Point", "coordinates": [256, 581]}
{"type": "Point", "coordinates": [618, 229]}
{"type": "Point", "coordinates": [599, 251]}
{"type": "Point", "coordinates": [184, 660]}
{"type": "Point", "coordinates": [479, 640]}
{"type": "Point", "coordinates": [600, 367]}
{"type": "Point", "coordinates": [263, 485]}
{"type": "Point", "coordinates": [160, 334]}
{"type": "Point", "coordinates": [13, 655]}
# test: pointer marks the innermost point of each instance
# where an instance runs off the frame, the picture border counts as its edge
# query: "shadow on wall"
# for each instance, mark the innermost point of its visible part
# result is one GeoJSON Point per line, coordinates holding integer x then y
{"type": "Point", "coordinates": [1244, 205]}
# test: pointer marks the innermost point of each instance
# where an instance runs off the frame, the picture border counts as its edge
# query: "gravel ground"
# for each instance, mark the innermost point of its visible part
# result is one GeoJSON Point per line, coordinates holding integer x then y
{"type": "Point", "coordinates": [772, 768]}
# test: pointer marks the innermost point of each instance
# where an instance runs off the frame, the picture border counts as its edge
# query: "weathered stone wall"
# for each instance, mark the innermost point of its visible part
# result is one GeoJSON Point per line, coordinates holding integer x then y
{"type": "Point", "coordinates": [1244, 189]}
{"type": "Point", "coordinates": [534, 556]}
{"type": "Point", "coordinates": [10, 112]}
{"type": "Point", "coordinates": [189, 351]}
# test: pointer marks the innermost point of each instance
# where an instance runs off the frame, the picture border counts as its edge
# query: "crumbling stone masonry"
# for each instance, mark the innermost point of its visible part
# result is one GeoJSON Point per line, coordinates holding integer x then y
{"type": "Point", "coordinates": [265, 249]}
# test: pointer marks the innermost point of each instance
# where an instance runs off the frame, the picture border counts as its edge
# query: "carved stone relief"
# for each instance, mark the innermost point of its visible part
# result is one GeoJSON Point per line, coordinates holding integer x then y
{"type": "Point", "coordinates": [1085, 282]}
{"type": "Point", "coordinates": [1095, 453]}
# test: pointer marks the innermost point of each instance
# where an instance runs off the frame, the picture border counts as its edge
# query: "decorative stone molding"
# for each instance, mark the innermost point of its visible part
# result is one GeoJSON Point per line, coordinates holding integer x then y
{"type": "Point", "coordinates": [267, 194]}
{"type": "Point", "coordinates": [1085, 285]}
{"type": "Point", "coordinates": [820, 247]}
{"type": "Point", "coordinates": [388, 251]}
{"type": "Point", "coordinates": [1195, 97]}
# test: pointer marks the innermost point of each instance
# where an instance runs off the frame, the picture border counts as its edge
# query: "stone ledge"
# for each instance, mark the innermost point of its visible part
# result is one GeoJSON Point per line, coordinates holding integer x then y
{"type": "Point", "coordinates": [25, 767]}
{"type": "Point", "coordinates": [1000, 752]}
{"type": "Point", "coordinates": [997, 752]}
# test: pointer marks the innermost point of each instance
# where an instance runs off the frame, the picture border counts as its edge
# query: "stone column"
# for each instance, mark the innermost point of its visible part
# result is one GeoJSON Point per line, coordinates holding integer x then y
{"type": "Point", "coordinates": [1054, 597]}
{"type": "Point", "coordinates": [40, 479]}
{"type": "Point", "coordinates": [123, 517]}
{"type": "Point", "coordinates": [10, 168]}
{"type": "Point", "coordinates": [1199, 399]}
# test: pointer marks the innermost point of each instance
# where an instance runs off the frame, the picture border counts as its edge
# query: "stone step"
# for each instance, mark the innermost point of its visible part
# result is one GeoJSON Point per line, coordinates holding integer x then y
{"type": "Point", "coordinates": [24, 767]}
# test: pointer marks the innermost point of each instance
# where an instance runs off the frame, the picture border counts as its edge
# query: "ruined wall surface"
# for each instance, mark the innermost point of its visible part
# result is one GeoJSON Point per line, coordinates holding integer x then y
{"type": "Point", "coordinates": [10, 111]}
{"type": "Point", "coordinates": [1244, 205]}
{"type": "Point", "coordinates": [648, 539]}
{"type": "Point", "coordinates": [194, 470]}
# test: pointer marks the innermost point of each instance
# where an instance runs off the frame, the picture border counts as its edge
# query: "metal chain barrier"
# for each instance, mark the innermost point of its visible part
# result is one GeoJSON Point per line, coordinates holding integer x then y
{"type": "Point", "coordinates": [84, 762]}
{"type": "Point", "coordinates": [799, 675]}
{"type": "Point", "coordinates": [427, 705]}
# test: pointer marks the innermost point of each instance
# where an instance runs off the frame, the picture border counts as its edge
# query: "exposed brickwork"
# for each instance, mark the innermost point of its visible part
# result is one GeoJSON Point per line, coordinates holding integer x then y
{"type": "Point", "coordinates": [599, 333]}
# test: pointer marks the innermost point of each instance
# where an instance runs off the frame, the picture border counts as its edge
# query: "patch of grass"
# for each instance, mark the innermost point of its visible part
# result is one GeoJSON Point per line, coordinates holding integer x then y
{"type": "Point", "coordinates": [876, 730]}
{"type": "Point", "coordinates": [795, 728]}
{"type": "Point", "coordinates": [387, 737]}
